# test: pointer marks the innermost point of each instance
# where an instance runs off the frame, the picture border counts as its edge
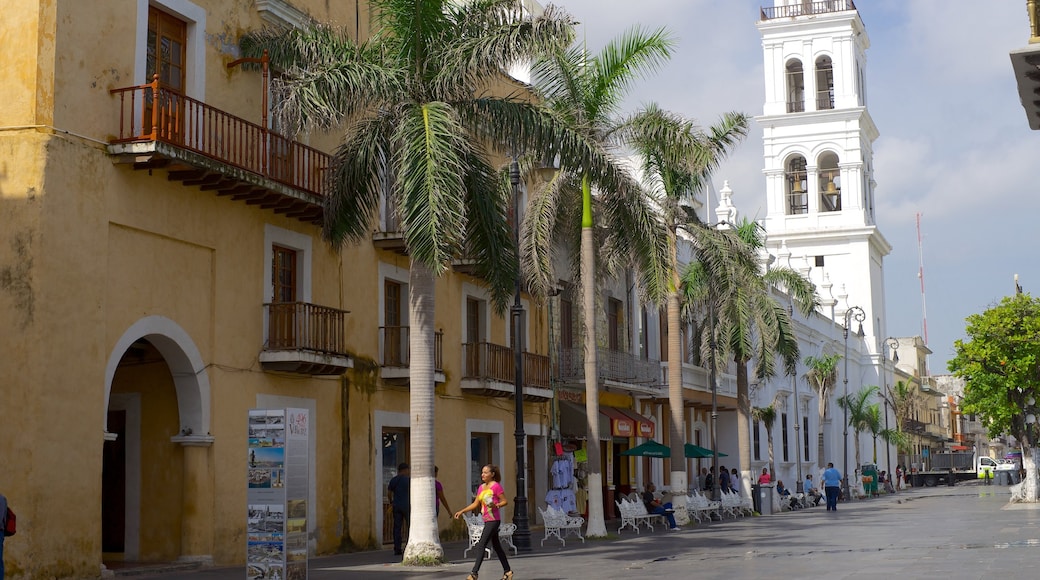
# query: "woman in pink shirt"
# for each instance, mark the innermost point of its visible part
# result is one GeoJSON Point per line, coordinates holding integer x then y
{"type": "Point", "coordinates": [490, 498]}
{"type": "Point", "coordinates": [764, 478]}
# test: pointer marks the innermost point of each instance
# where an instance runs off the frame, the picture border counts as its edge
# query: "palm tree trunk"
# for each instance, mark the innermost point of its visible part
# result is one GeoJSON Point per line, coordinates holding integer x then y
{"type": "Point", "coordinates": [744, 426]}
{"type": "Point", "coordinates": [769, 440]}
{"type": "Point", "coordinates": [597, 526]}
{"type": "Point", "coordinates": [675, 394]}
{"type": "Point", "coordinates": [423, 540]}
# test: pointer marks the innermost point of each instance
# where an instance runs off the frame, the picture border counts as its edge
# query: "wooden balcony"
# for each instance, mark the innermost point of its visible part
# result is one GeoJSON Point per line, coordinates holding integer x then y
{"type": "Point", "coordinates": [306, 339]}
{"type": "Point", "coordinates": [617, 370]}
{"type": "Point", "coordinates": [806, 8]}
{"type": "Point", "coordinates": [490, 370]}
{"type": "Point", "coordinates": [395, 355]}
{"type": "Point", "coordinates": [389, 235]}
{"type": "Point", "coordinates": [200, 145]}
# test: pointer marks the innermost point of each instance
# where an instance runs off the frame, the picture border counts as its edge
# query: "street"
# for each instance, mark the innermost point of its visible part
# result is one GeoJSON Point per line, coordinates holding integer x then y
{"type": "Point", "coordinates": [968, 531]}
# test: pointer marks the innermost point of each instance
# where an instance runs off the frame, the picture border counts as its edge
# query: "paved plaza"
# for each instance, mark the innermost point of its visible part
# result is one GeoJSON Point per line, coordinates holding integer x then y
{"type": "Point", "coordinates": [968, 531]}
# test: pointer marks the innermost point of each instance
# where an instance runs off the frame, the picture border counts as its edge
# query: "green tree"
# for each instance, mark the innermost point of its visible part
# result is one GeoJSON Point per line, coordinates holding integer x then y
{"type": "Point", "coordinates": [857, 405]}
{"type": "Point", "coordinates": [414, 106]}
{"type": "Point", "coordinates": [619, 225]}
{"type": "Point", "coordinates": [767, 416]}
{"type": "Point", "coordinates": [822, 377]}
{"type": "Point", "coordinates": [745, 320]}
{"type": "Point", "coordinates": [1000, 363]}
{"type": "Point", "coordinates": [677, 159]}
{"type": "Point", "coordinates": [875, 424]}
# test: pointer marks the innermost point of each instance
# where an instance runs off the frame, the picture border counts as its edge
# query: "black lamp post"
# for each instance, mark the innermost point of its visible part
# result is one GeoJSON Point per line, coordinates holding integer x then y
{"type": "Point", "coordinates": [857, 313]}
{"type": "Point", "coordinates": [799, 483]}
{"type": "Point", "coordinates": [716, 492]}
{"type": "Point", "coordinates": [893, 344]}
{"type": "Point", "coordinates": [522, 534]}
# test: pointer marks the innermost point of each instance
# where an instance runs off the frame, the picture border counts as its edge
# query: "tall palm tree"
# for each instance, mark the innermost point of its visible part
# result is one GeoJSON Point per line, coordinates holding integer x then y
{"type": "Point", "coordinates": [857, 405]}
{"type": "Point", "coordinates": [751, 324]}
{"type": "Point", "coordinates": [822, 378]}
{"type": "Point", "coordinates": [414, 105]}
{"type": "Point", "coordinates": [677, 160]}
{"type": "Point", "coordinates": [876, 427]}
{"type": "Point", "coordinates": [767, 416]}
{"type": "Point", "coordinates": [618, 226]}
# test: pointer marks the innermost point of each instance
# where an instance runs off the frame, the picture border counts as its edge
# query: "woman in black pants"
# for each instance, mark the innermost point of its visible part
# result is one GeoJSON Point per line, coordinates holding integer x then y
{"type": "Point", "coordinates": [490, 498]}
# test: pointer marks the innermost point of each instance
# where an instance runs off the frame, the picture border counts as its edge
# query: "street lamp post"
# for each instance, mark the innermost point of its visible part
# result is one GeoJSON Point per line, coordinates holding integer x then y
{"type": "Point", "coordinates": [716, 492]}
{"type": "Point", "coordinates": [857, 313]}
{"type": "Point", "coordinates": [522, 534]}
{"type": "Point", "coordinates": [893, 344]}
{"type": "Point", "coordinates": [797, 417]}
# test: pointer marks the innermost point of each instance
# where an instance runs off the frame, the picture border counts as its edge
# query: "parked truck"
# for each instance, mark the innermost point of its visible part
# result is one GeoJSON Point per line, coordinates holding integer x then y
{"type": "Point", "coordinates": [949, 468]}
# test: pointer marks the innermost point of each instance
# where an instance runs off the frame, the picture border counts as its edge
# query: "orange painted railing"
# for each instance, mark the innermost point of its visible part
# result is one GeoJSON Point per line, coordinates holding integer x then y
{"type": "Point", "coordinates": [154, 113]}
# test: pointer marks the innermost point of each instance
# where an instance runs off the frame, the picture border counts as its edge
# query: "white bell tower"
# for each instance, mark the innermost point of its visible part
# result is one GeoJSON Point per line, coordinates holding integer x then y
{"type": "Point", "coordinates": [818, 138]}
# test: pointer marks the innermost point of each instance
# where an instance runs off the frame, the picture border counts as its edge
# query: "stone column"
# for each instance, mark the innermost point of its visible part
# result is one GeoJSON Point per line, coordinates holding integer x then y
{"type": "Point", "coordinates": [197, 500]}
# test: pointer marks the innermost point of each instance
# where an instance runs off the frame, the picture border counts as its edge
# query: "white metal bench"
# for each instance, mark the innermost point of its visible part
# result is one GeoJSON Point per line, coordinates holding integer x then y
{"type": "Point", "coordinates": [559, 524]}
{"type": "Point", "coordinates": [701, 507]}
{"type": "Point", "coordinates": [633, 513]}
{"type": "Point", "coordinates": [475, 525]}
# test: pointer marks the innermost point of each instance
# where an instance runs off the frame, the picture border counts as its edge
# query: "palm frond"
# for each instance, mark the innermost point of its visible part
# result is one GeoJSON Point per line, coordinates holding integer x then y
{"type": "Point", "coordinates": [490, 242]}
{"type": "Point", "coordinates": [632, 55]}
{"type": "Point", "coordinates": [432, 156]}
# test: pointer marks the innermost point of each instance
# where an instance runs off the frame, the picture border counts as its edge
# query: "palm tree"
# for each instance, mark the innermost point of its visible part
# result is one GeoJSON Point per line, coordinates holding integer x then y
{"type": "Point", "coordinates": [751, 324]}
{"type": "Point", "coordinates": [822, 377]}
{"type": "Point", "coordinates": [857, 405]}
{"type": "Point", "coordinates": [677, 160]}
{"type": "Point", "coordinates": [767, 416]}
{"type": "Point", "coordinates": [586, 92]}
{"type": "Point", "coordinates": [414, 106]}
{"type": "Point", "coordinates": [875, 425]}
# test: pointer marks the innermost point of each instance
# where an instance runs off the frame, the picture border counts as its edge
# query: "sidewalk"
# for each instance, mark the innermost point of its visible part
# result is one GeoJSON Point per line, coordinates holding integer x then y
{"type": "Point", "coordinates": [788, 540]}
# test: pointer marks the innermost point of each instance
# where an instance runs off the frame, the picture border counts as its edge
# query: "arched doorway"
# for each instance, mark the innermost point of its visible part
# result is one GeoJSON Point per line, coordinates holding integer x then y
{"type": "Point", "coordinates": [156, 431]}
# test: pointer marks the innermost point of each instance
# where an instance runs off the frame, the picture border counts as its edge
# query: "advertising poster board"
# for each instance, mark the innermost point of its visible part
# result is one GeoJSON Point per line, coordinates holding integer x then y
{"type": "Point", "coordinates": [276, 521]}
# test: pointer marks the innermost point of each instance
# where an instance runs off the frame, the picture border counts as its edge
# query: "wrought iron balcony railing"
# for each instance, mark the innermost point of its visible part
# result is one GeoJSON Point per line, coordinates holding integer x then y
{"type": "Point", "coordinates": [488, 361]}
{"type": "Point", "coordinates": [395, 350]}
{"type": "Point", "coordinates": [806, 8]}
{"type": "Point", "coordinates": [306, 327]}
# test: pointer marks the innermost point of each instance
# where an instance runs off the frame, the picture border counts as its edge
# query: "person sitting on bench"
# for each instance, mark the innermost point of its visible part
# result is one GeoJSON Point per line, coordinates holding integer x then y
{"type": "Point", "coordinates": [653, 506]}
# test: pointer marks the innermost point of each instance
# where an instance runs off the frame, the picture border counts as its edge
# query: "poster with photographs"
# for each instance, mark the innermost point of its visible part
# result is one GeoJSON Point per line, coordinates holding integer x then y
{"type": "Point", "coordinates": [270, 519]}
{"type": "Point", "coordinates": [297, 486]}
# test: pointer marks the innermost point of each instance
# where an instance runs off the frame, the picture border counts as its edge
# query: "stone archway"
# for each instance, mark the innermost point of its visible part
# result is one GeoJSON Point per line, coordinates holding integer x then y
{"type": "Point", "coordinates": [185, 362]}
{"type": "Point", "coordinates": [190, 385]}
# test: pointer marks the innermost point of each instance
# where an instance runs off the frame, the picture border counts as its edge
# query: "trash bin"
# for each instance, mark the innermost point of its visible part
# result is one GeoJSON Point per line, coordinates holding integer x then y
{"type": "Point", "coordinates": [1015, 476]}
{"type": "Point", "coordinates": [1002, 477]}
{"type": "Point", "coordinates": [870, 479]}
{"type": "Point", "coordinates": [764, 499]}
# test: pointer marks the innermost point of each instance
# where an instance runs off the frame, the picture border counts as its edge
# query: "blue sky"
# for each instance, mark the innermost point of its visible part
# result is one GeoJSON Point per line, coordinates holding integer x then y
{"type": "Point", "coordinates": [954, 144]}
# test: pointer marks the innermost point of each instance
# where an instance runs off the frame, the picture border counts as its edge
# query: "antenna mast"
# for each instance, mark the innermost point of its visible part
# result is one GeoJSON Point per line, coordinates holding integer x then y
{"type": "Point", "coordinates": [920, 275]}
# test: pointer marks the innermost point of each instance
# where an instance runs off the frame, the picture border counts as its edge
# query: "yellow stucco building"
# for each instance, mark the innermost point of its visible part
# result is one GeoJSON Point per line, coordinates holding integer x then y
{"type": "Point", "coordinates": [161, 273]}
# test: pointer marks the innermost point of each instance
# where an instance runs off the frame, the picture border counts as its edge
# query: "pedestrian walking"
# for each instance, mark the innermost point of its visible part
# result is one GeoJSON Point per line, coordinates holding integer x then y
{"type": "Point", "coordinates": [400, 495]}
{"type": "Point", "coordinates": [3, 527]}
{"type": "Point", "coordinates": [440, 493]}
{"type": "Point", "coordinates": [490, 499]}
{"type": "Point", "coordinates": [832, 486]}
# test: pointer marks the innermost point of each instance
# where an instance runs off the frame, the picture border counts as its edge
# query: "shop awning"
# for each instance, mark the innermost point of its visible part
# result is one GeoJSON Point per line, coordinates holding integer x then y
{"type": "Point", "coordinates": [613, 422]}
{"type": "Point", "coordinates": [644, 426]}
{"type": "Point", "coordinates": [621, 425]}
